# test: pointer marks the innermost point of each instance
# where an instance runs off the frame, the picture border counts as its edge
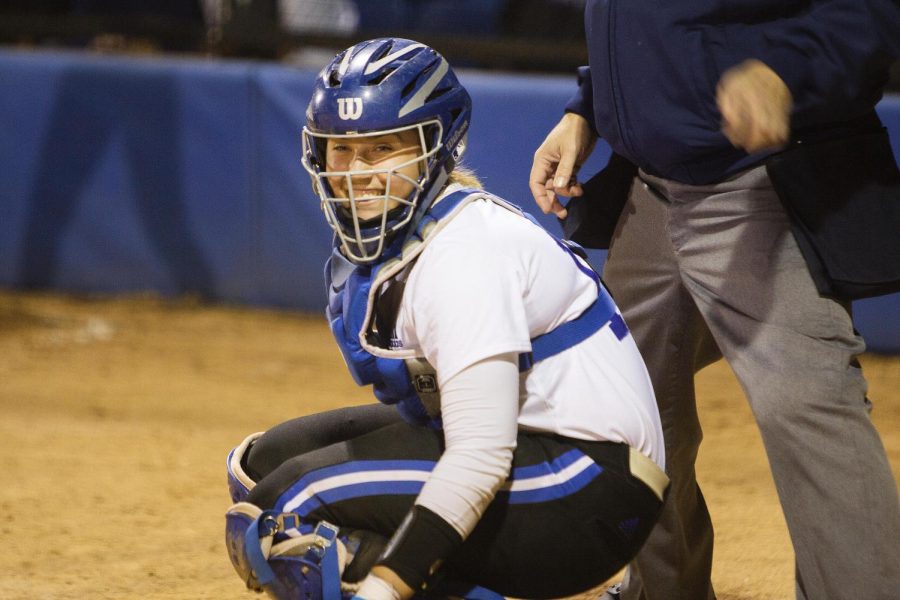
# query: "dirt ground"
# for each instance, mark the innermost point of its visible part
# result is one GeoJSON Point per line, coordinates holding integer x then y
{"type": "Point", "coordinates": [118, 415]}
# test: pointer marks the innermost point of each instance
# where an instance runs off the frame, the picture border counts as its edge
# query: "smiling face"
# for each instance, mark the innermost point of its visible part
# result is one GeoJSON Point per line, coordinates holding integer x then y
{"type": "Point", "coordinates": [384, 168]}
{"type": "Point", "coordinates": [369, 184]}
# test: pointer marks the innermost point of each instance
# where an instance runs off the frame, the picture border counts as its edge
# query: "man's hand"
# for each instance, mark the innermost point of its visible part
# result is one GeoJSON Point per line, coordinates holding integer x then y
{"type": "Point", "coordinates": [557, 160]}
{"type": "Point", "coordinates": [755, 105]}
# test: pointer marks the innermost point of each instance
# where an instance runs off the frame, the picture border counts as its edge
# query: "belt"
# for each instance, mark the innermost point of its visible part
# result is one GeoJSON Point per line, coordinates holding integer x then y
{"type": "Point", "coordinates": [648, 472]}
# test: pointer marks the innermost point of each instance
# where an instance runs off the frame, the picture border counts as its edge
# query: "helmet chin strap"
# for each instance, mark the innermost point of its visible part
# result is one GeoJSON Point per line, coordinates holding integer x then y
{"type": "Point", "coordinates": [388, 236]}
{"type": "Point", "coordinates": [345, 214]}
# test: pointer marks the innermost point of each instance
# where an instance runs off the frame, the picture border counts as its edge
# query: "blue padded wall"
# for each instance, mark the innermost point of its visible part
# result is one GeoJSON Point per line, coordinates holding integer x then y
{"type": "Point", "coordinates": [183, 175]}
{"type": "Point", "coordinates": [125, 175]}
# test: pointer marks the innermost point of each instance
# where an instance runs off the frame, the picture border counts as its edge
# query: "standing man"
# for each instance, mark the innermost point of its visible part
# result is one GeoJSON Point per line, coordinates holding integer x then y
{"type": "Point", "coordinates": [702, 260]}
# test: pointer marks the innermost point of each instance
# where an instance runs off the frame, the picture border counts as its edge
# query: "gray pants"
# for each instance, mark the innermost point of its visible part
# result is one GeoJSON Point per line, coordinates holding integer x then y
{"type": "Point", "coordinates": [703, 272]}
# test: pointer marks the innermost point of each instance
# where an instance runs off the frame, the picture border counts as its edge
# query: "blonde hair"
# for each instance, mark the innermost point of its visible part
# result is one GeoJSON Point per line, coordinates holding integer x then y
{"type": "Point", "coordinates": [465, 177]}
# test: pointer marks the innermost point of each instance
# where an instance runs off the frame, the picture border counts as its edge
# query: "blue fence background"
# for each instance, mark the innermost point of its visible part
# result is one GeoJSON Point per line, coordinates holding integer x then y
{"type": "Point", "coordinates": [182, 175]}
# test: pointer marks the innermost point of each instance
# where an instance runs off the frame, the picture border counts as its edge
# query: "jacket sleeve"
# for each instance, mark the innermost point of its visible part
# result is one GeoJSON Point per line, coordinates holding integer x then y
{"type": "Point", "coordinates": [582, 103]}
{"type": "Point", "coordinates": [834, 53]}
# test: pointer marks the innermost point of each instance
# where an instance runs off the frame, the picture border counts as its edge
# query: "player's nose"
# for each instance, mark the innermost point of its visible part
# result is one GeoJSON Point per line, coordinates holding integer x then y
{"type": "Point", "coordinates": [368, 179]}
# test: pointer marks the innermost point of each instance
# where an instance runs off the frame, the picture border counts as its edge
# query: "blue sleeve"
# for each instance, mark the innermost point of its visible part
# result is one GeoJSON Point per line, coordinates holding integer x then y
{"type": "Point", "coordinates": [582, 103]}
{"type": "Point", "coordinates": [833, 54]}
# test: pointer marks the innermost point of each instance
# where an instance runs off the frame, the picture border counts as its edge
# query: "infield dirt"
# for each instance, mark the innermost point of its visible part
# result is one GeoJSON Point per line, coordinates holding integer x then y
{"type": "Point", "coordinates": [118, 414]}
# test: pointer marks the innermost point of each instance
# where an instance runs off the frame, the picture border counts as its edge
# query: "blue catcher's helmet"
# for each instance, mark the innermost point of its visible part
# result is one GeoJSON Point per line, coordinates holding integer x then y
{"type": "Point", "coordinates": [378, 87]}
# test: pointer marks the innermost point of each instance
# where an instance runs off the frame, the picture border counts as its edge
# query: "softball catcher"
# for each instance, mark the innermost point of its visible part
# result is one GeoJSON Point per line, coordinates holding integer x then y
{"type": "Point", "coordinates": [517, 450]}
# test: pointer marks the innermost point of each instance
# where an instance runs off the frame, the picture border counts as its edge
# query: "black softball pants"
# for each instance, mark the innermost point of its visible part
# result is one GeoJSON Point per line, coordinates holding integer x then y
{"type": "Point", "coordinates": [570, 515]}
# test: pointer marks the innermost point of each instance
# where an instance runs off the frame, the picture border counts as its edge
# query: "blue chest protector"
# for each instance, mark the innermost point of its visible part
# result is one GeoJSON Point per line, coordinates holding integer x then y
{"type": "Point", "coordinates": [349, 288]}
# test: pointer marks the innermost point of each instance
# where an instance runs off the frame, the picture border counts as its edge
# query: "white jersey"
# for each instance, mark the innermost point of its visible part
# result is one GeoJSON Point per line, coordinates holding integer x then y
{"type": "Point", "coordinates": [492, 280]}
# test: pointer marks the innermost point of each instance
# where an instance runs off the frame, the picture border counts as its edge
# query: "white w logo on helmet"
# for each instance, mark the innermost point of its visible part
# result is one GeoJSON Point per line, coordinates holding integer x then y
{"type": "Point", "coordinates": [350, 109]}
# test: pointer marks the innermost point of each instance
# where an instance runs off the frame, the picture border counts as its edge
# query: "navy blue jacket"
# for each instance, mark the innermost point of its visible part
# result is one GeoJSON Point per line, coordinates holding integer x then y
{"type": "Point", "coordinates": [654, 64]}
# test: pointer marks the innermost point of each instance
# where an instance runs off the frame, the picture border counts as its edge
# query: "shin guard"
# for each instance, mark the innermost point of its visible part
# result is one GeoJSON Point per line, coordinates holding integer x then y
{"type": "Point", "coordinates": [268, 558]}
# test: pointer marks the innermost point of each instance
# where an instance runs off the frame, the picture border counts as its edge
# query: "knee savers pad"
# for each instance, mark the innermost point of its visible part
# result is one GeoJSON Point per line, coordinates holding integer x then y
{"type": "Point", "coordinates": [286, 567]}
{"type": "Point", "coordinates": [239, 483]}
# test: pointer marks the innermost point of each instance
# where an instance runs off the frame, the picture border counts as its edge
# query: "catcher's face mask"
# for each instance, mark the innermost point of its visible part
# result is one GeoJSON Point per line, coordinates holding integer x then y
{"type": "Point", "coordinates": [370, 183]}
{"type": "Point", "coordinates": [389, 89]}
